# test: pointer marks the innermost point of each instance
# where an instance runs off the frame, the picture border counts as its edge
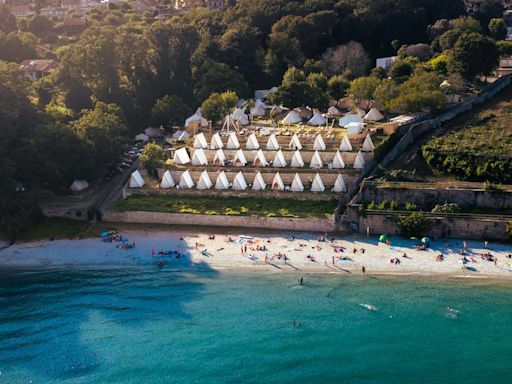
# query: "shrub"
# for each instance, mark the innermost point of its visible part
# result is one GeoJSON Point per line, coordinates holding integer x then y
{"type": "Point", "coordinates": [416, 224]}
{"type": "Point", "coordinates": [446, 208]}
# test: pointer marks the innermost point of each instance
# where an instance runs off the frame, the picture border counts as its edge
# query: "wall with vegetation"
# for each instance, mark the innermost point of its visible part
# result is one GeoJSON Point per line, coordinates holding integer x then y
{"type": "Point", "coordinates": [278, 223]}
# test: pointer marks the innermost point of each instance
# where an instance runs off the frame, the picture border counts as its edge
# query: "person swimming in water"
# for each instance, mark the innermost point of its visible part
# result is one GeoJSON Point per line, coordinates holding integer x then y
{"type": "Point", "coordinates": [301, 280]}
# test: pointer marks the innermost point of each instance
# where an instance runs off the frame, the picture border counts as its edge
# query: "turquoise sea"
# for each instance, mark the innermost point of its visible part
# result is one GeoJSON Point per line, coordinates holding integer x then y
{"type": "Point", "coordinates": [200, 326]}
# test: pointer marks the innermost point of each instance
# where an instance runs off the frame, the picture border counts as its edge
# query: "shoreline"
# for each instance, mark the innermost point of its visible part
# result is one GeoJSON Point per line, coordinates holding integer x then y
{"type": "Point", "coordinates": [223, 256]}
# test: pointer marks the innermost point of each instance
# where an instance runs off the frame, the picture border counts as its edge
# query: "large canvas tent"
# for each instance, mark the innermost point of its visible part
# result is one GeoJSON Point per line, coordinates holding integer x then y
{"type": "Point", "coordinates": [354, 128]}
{"type": "Point", "coordinates": [222, 182]}
{"type": "Point", "coordinates": [186, 181]}
{"type": "Point", "coordinates": [374, 115]}
{"type": "Point", "coordinates": [259, 159]}
{"type": "Point", "coordinates": [252, 142]}
{"type": "Point", "coordinates": [337, 162]}
{"type": "Point", "coordinates": [350, 118]}
{"type": "Point", "coordinates": [317, 120]}
{"type": "Point", "coordinates": [240, 116]}
{"type": "Point", "coordinates": [199, 157]}
{"type": "Point", "coordinates": [277, 183]}
{"type": "Point", "coordinates": [316, 161]}
{"type": "Point", "coordinates": [272, 144]}
{"type": "Point", "coordinates": [239, 184]}
{"type": "Point", "coordinates": [142, 137]}
{"type": "Point", "coordinates": [359, 162]}
{"type": "Point", "coordinates": [240, 160]}
{"type": "Point", "coordinates": [200, 141]}
{"type": "Point", "coordinates": [292, 118]}
{"type": "Point", "coordinates": [297, 185]}
{"type": "Point", "coordinates": [345, 145]}
{"type": "Point", "coordinates": [219, 158]}
{"type": "Point", "coordinates": [339, 185]}
{"type": "Point", "coordinates": [167, 181]}
{"type": "Point", "coordinates": [79, 185]}
{"type": "Point", "coordinates": [368, 144]}
{"type": "Point", "coordinates": [136, 180]}
{"type": "Point", "coordinates": [258, 184]}
{"type": "Point", "coordinates": [279, 160]}
{"type": "Point", "coordinates": [297, 161]}
{"type": "Point", "coordinates": [197, 120]}
{"type": "Point", "coordinates": [181, 157]}
{"type": "Point", "coordinates": [204, 181]}
{"type": "Point", "coordinates": [318, 184]}
{"type": "Point", "coordinates": [216, 142]}
{"type": "Point", "coordinates": [233, 141]}
{"type": "Point", "coordinates": [319, 144]}
{"type": "Point", "coordinates": [295, 143]}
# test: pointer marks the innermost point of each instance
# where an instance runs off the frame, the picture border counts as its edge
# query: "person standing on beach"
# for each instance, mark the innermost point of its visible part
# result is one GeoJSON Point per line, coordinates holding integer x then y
{"type": "Point", "coordinates": [363, 270]}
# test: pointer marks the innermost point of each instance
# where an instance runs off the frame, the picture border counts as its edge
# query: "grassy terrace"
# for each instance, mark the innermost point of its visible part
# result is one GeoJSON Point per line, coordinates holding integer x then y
{"type": "Point", "coordinates": [227, 206]}
{"type": "Point", "coordinates": [487, 130]}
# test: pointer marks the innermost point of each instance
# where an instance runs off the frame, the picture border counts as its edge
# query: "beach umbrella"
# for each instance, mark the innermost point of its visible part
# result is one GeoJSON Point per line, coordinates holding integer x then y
{"type": "Point", "coordinates": [383, 238]}
{"type": "Point", "coordinates": [425, 240]}
{"type": "Point", "coordinates": [104, 234]}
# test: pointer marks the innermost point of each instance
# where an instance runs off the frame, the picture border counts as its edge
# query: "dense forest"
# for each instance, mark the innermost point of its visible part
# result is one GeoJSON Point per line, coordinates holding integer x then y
{"type": "Point", "coordinates": [128, 70]}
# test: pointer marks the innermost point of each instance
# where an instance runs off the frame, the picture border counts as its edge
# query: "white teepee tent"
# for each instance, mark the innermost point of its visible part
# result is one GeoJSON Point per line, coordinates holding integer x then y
{"type": "Point", "coordinates": [279, 160]}
{"type": "Point", "coordinates": [350, 118]}
{"type": "Point", "coordinates": [272, 144]}
{"type": "Point", "coordinates": [186, 181]}
{"type": "Point", "coordinates": [368, 144]}
{"type": "Point", "coordinates": [359, 162]}
{"type": "Point", "coordinates": [259, 159]}
{"type": "Point", "coordinates": [319, 144]}
{"type": "Point", "coordinates": [216, 142]}
{"type": "Point", "coordinates": [345, 145]}
{"type": "Point", "coordinates": [292, 118]}
{"type": "Point", "coordinates": [252, 142]}
{"type": "Point", "coordinates": [204, 181]}
{"type": "Point", "coordinates": [181, 157]}
{"type": "Point", "coordinates": [337, 162]}
{"type": "Point", "coordinates": [297, 161]}
{"type": "Point", "coordinates": [239, 183]}
{"type": "Point", "coordinates": [233, 141]}
{"type": "Point", "coordinates": [222, 182]}
{"type": "Point", "coordinates": [318, 184]}
{"type": "Point", "coordinates": [136, 180]}
{"type": "Point", "coordinates": [317, 120]}
{"type": "Point", "coordinates": [339, 185]}
{"type": "Point", "coordinates": [167, 181]}
{"type": "Point", "coordinates": [316, 161]}
{"type": "Point", "coordinates": [295, 143]}
{"type": "Point", "coordinates": [240, 160]}
{"type": "Point", "coordinates": [277, 183]}
{"type": "Point", "coordinates": [258, 111]}
{"type": "Point", "coordinates": [219, 158]}
{"type": "Point", "coordinates": [200, 141]}
{"type": "Point", "coordinates": [199, 157]}
{"type": "Point", "coordinates": [374, 115]}
{"type": "Point", "coordinates": [258, 184]}
{"type": "Point", "coordinates": [297, 185]}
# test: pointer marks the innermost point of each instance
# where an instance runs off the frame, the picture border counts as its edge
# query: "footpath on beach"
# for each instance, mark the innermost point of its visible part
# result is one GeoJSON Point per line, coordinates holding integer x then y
{"type": "Point", "coordinates": [286, 252]}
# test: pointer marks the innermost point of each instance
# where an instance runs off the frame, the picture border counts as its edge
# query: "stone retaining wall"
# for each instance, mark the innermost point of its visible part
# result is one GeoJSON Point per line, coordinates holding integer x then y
{"type": "Point", "coordinates": [278, 223]}
{"type": "Point", "coordinates": [445, 227]}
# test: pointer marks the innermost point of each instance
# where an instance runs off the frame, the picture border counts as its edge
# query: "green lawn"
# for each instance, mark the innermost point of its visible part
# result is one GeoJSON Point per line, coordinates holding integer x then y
{"type": "Point", "coordinates": [227, 206]}
{"type": "Point", "coordinates": [48, 228]}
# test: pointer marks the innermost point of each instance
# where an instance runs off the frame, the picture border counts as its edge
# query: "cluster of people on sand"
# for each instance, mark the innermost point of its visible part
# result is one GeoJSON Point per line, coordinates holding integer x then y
{"type": "Point", "coordinates": [311, 258]}
{"type": "Point", "coordinates": [126, 245]}
{"type": "Point", "coordinates": [113, 239]}
{"type": "Point", "coordinates": [395, 260]}
{"type": "Point", "coordinates": [169, 253]}
{"type": "Point", "coordinates": [362, 250]}
{"type": "Point", "coordinates": [211, 237]}
{"type": "Point", "coordinates": [440, 257]}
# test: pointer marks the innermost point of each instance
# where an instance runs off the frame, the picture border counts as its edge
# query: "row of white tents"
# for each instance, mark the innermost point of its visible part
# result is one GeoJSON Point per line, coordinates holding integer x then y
{"type": "Point", "coordinates": [239, 182]}
{"type": "Point", "coordinates": [293, 117]}
{"type": "Point", "coordinates": [252, 143]}
{"type": "Point", "coordinates": [181, 157]}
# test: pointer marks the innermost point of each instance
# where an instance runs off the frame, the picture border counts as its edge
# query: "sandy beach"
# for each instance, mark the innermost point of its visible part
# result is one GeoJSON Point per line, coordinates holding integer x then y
{"type": "Point", "coordinates": [266, 252]}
